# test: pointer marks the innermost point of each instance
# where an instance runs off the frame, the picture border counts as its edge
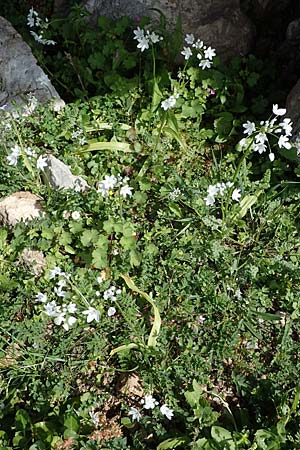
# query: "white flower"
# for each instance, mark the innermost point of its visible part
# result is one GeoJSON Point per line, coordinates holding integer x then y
{"type": "Point", "coordinates": [149, 402]}
{"type": "Point", "coordinates": [198, 44]}
{"type": "Point", "coordinates": [92, 314]}
{"type": "Point", "coordinates": [75, 215]}
{"type": "Point", "coordinates": [166, 411]}
{"type": "Point", "coordinates": [68, 322]}
{"type": "Point", "coordinates": [212, 190]}
{"type": "Point", "coordinates": [126, 191]}
{"type": "Point", "coordinates": [78, 185]}
{"type": "Point", "coordinates": [168, 103]}
{"type": "Point", "coordinates": [277, 111]}
{"type": "Point", "coordinates": [236, 194]}
{"type": "Point", "coordinates": [39, 38]}
{"type": "Point", "coordinates": [271, 157]}
{"type": "Point", "coordinates": [71, 308]}
{"type": "Point", "coordinates": [102, 189]}
{"type": "Point", "coordinates": [31, 17]}
{"type": "Point", "coordinates": [135, 414]}
{"type": "Point", "coordinates": [41, 162]}
{"type": "Point", "coordinates": [54, 272]}
{"type": "Point", "coordinates": [260, 148]}
{"type": "Point", "coordinates": [60, 318]}
{"type": "Point", "coordinates": [109, 181]}
{"type": "Point", "coordinates": [261, 138]}
{"type": "Point", "coordinates": [284, 142]}
{"type": "Point", "coordinates": [100, 279]}
{"type": "Point", "coordinates": [209, 53]}
{"type": "Point", "coordinates": [51, 309]}
{"type": "Point", "coordinates": [139, 34]}
{"type": "Point", "coordinates": [205, 63]}
{"type": "Point", "coordinates": [155, 38]}
{"type": "Point", "coordinates": [143, 43]}
{"type": "Point", "coordinates": [249, 127]}
{"type": "Point", "coordinates": [287, 126]}
{"type": "Point", "coordinates": [111, 311]}
{"type": "Point", "coordinates": [209, 200]}
{"type": "Point", "coordinates": [186, 52]}
{"type": "Point", "coordinates": [175, 193]}
{"type": "Point", "coordinates": [189, 39]}
{"type": "Point", "coordinates": [40, 297]}
{"type": "Point", "coordinates": [13, 157]}
{"type": "Point", "coordinates": [60, 292]}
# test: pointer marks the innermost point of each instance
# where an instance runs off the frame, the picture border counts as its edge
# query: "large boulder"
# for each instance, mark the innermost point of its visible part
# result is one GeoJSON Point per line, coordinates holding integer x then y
{"type": "Point", "coordinates": [21, 206]}
{"type": "Point", "coordinates": [19, 72]}
{"type": "Point", "coordinates": [219, 23]}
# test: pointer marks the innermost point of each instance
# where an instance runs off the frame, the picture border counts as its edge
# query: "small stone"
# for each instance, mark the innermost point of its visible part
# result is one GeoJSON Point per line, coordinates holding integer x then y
{"type": "Point", "coordinates": [59, 176]}
{"type": "Point", "coordinates": [20, 206]}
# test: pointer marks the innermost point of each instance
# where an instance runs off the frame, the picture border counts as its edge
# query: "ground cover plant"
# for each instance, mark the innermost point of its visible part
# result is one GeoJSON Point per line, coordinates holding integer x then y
{"type": "Point", "coordinates": [166, 312]}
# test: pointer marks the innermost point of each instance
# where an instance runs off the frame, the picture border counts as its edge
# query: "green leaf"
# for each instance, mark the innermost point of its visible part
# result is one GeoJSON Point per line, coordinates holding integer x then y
{"type": "Point", "coordinates": [65, 238]}
{"type": "Point", "coordinates": [89, 237]}
{"type": "Point", "coordinates": [223, 436]}
{"type": "Point", "coordinates": [117, 146]}
{"type": "Point", "coordinates": [152, 340]}
{"type": "Point", "coordinates": [128, 242]}
{"type": "Point", "coordinates": [172, 443]}
{"type": "Point", "coordinates": [246, 203]}
{"type": "Point", "coordinates": [135, 258]}
{"type": "Point", "coordinates": [71, 421]}
{"type": "Point", "coordinates": [22, 420]}
{"type": "Point", "coordinates": [123, 348]}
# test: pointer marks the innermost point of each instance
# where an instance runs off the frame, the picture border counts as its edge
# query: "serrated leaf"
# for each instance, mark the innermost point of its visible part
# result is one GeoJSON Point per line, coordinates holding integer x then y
{"type": "Point", "coordinates": [152, 340]}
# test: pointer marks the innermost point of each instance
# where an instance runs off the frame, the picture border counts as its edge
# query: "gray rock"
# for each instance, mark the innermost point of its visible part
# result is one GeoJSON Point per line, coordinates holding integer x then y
{"type": "Point", "coordinates": [293, 31]}
{"type": "Point", "coordinates": [219, 23]}
{"type": "Point", "coordinates": [59, 176]}
{"type": "Point", "coordinates": [293, 109]}
{"type": "Point", "coordinates": [20, 206]}
{"type": "Point", "coordinates": [19, 72]}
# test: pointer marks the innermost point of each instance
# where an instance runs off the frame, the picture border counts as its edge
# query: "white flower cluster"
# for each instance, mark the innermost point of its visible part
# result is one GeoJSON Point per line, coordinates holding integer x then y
{"type": "Point", "coordinates": [149, 402]}
{"type": "Point", "coordinates": [111, 182]}
{"type": "Point", "coordinates": [170, 102]}
{"type": "Point", "coordinates": [16, 152]}
{"type": "Point", "coordinates": [77, 135]}
{"type": "Point", "coordinates": [64, 314]}
{"type": "Point", "coordinates": [214, 190]}
{"type": "Point", "coordinates": [258, 135]}
{"type": "Point", "coordinates": [34, 21]}
{"type": "Point", "coordinates": [145, 38]}
{"type": "Point", "coordinates": [204, 54]}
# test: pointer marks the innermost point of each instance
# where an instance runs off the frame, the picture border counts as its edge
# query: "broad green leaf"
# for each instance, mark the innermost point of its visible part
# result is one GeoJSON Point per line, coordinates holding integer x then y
{"type": "Point", "coordinates": [246, 203]}
{"type": "Point", "coordinates": [22, 420]}
{"type": "Point", "coordinates": [135, 258]}
{"type": "Point", "coordinates": [223, 436]}
{"type": "Point", "coordinates": [172, 443]}
{"type": "Point", "coordinates": [118, 146]}
{"type": "Point", "coordinates": [89, 237]}
{"type": "Point", "coordinates": [71, 421]}
{"type": "Point", "coordinates": [152, 340]}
